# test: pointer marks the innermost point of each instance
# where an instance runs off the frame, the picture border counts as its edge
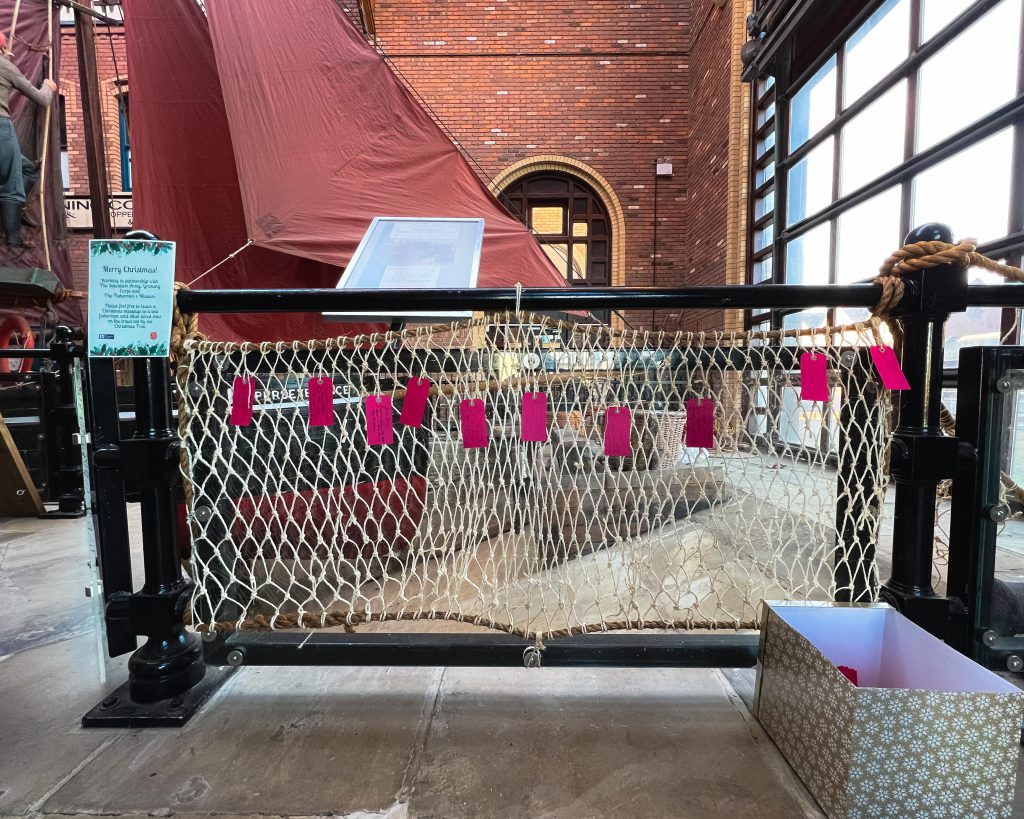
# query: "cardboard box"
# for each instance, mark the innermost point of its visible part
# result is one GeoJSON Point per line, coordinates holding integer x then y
{"type": "Point", "coordinates": [926, 732]}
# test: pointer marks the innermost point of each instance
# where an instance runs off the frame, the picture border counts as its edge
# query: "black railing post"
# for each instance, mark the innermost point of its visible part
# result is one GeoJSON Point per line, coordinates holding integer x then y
{"type": "Point", "coordinates": [922, 455]}
{"type": "Point", "coordinates": [171, 660]}
{"type": "Point", "coordinates": [60, 420]}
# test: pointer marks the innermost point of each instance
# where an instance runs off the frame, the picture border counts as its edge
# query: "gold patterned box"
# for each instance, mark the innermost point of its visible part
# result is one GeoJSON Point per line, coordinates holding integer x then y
{"type": "Point", "coordinates": [925, 732]}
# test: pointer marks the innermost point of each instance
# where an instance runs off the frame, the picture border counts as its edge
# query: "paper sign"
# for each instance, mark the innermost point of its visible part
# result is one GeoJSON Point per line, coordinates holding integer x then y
{"type": "Point", "coordinates": [814, 377]}
{"type": "Point", "coordinates": [535, 416]}
{"type": "Point", "coordinates": [473, 414]}
{"type": "Point", "coordinates": [889, 368]}
{"type": "Point", "coordinates": [415, 403]}
{"type": "Point", "coordinates": [700, 423]}
{"type": "Point", "coordinates": [243, 396]}
{"type": "Point", "coordinates": [618, 423]}
{"type": "Point", "coordinates": [131, 298]}
{"type": "Point", "coordinates": [380, 429]}
{"type": "Point", "coordinates": [321, 401]}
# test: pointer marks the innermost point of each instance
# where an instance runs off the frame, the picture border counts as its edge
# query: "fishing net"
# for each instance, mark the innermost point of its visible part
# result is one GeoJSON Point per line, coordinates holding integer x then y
{"type": "Point", "coordinates": [296, 521]}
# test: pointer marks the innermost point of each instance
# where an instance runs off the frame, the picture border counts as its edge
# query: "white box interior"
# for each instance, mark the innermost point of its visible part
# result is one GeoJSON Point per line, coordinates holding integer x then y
{"type": "Point", "coordinates": [888, 650]}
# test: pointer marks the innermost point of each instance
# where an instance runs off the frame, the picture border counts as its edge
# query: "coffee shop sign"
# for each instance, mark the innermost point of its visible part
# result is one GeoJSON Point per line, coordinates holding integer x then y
{"type": "Point", "coordinates": [79, 210]}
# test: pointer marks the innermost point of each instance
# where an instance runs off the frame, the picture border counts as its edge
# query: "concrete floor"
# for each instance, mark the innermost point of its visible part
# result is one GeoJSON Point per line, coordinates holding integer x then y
{"type": "Point", "coordinates": [363, 742]}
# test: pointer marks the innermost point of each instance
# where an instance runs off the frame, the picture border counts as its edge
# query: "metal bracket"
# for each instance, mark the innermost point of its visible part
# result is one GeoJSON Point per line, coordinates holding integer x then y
{"type": "Point", "coordinates": [531, 657]}
{"type": "Point", "coordinates": [1010, 380]}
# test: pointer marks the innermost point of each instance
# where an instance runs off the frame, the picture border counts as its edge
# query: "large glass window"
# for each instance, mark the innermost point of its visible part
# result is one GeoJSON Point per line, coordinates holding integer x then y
{"type": "Point", "coordinates": [911, 117]}
{"type": "Point", "coordinates": [571, 222]}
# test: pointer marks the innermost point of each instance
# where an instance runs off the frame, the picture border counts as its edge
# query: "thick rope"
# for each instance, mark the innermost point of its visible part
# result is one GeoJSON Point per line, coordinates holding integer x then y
{"type": "Point", "coordinates": [921, 256]}
{"type": "Point", "coordinates": [347, 620]}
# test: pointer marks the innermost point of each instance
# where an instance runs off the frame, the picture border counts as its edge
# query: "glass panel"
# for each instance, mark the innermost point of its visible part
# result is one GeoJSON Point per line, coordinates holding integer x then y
{"type": "Point", "coordinates": [764, 205]}
{"type": "Point", "coordinates": [579, 261]}
{"type": "Point", "coordinates": [580, 206]}
{"type": "Point", "coordinates": [765, 114]}
{"type": "Point", "coordinates": [937, 14]}
{"type": "Point", "coordinates": [976, 326]}
{"type": "Point", "coordinates": [559, 255]}
{"type": "Point", "coordinates": [813, 106]}
{"type": "Point", "coordinates": [872, 142]}
{"type": "Point", "coordinates": [806, 319]}
{"type": "Point", "coordinates": [807, 257]}
{"type": "Point", "coordinates": [974, 74]}
{"type": "Point", "coordinates": [579, 228]}
{"type": "Point", "coordinates": [764, 174]}
{"type": "Point", "coordinates": [763, 237]}
{"type": "Point", "coordinates": [876, 48]}
{"type": "Point", "coordinates": [1016, 410]}
{"type": "Point", "coordinates": [766, 144]}
{"type": "Point", "coordinates": [867, 234]}
{"type": "Point", "coordinates": [547, 220]}
{"type": "Point", "coordinates": [764, 85]}
{"type": "Point", "coordinates": [763, 270]}
{"type": "Point", "coordinates": [980, 210]}
{"type": "Point", "coordinates": [810, 183]}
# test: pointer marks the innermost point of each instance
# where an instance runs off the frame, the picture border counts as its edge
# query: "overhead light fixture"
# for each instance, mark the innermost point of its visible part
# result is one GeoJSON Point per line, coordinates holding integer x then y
{"type": "Point", "coordinates": [662, 168]}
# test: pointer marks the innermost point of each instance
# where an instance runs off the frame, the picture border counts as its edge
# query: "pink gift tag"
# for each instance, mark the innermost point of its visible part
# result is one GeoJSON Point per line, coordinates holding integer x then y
{"type": "Point", "coordinates": [700, 423]}
{"type": "Point", "coordinates": [814, 377]}
{"type": "Point", "coordinates": [380, 430]}
{"type": "Point", "coordinates": [535, 416]}
{"type": "Point", "coordinates": [321, 401]}
{"type": "Point", "coordinates": [243, 396]}
{"type": "Point", "coordinates": [415, 403]}
{"type": "Point", "coordinates": [473, 414]}
{"type": "Point", "coordinates": [889, 368]}
{"type": "Point", "coordinates": [618, 423]}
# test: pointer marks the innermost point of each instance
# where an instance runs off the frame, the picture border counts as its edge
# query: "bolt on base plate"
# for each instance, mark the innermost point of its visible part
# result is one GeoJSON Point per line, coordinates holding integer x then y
{"type": "Point", "coordinates": [117, 710]}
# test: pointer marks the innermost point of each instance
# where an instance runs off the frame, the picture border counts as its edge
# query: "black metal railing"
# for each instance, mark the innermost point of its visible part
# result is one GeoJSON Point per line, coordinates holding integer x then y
{"type": "Point", "coordinates": [170, 662]}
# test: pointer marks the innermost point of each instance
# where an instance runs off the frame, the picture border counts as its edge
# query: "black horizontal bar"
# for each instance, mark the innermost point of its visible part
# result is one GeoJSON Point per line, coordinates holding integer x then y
{"type": "Point", "coordinates": [36, 352]}
{"type": "Point", "coordinates": [679, 649]}
{"type": "Point", "coordinates": [767, 296]}
{"type": "Point", "coordinates": [543, 298]}
{"type": "Point", "coordinates": [995, 295]}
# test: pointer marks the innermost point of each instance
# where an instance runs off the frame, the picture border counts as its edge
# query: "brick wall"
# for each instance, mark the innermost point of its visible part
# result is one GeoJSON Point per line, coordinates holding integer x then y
{"type": "Point", "coordinates": [604, 82]}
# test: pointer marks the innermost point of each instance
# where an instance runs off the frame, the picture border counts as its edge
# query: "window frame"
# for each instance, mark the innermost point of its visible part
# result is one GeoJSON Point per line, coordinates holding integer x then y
{"type": "Point", "coordinates": [780, 94]}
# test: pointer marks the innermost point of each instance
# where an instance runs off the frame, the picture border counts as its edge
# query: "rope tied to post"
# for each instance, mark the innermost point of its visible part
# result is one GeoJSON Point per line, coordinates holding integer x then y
{"type": "Point", "coordinates": [923, 255]}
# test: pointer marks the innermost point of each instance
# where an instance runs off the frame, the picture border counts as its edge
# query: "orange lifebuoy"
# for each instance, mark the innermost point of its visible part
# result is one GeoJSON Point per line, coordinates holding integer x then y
{"type": "Point", "coordinates": [15, 332]}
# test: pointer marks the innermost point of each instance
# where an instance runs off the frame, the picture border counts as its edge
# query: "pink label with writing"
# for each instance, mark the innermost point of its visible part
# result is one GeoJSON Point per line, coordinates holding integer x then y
{"type": "Point", "coordinates": [243, 396]}
{"type": "Point", "coordinates": [473, 415]}
{"type": "Point", "coordinates": [889, 368]}
{"type": "Point", "coordinates": [321, 401]}
{"type": "Point", "coordinates": [535, 416]}
{"type": "Point", "coordinates": [814, 377]}
{"type": "Point", "coordinates": [700, 423]}
{"type": "Point", "coordinates": [380, 429]}
{"type": "Point", "coordinates": [415, 403]}
{"type": "Point", "coordinates": [618, 423]}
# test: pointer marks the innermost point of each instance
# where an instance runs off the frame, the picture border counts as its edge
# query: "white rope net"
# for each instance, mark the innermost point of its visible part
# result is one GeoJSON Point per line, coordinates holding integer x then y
{"type": "Point", "coordinates": [296, 525]}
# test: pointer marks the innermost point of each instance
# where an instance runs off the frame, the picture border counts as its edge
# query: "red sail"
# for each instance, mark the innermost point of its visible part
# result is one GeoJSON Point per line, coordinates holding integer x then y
{"type": "Point", "coordinates": [326, 137]}
{"type": "Point", "coordinates": [185, 183]}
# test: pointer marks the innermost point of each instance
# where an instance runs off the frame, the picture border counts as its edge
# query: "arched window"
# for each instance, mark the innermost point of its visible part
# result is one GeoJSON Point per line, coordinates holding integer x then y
{"type": "Point", "coordinates": [571, 222]}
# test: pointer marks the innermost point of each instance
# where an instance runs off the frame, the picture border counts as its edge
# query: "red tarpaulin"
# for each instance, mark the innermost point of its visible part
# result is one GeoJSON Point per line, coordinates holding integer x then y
{"type": "Point", "coordinates": [323, 137]}
{"type": "Point", "coordinates": [185, 184]}
{"type": "Point", "coordinates": [326, 137]}
{"type": "Point", "coordinates": [30, 121]}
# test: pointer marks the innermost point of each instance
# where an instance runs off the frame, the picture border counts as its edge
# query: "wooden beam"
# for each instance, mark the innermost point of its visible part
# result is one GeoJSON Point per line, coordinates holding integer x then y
{"type": "Point", "coordinates": [18, 495]}
{"type": "Point", "coordinates": [95, 156]}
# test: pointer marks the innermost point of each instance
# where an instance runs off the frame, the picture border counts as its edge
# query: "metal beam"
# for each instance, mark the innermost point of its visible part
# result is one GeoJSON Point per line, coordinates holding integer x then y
{"type": "Point", "coordinates": [681, 649]}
